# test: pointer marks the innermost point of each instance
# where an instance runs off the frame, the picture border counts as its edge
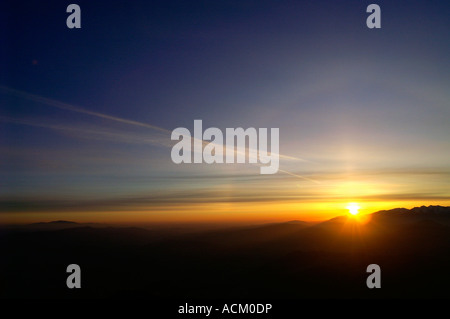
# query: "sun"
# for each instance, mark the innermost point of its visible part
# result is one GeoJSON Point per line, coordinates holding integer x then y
{"type": "Point", "coordinates": [353, 208]}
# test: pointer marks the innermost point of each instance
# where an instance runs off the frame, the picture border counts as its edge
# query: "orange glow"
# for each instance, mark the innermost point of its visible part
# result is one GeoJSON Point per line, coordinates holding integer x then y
{"type": "Point", "coordinates": [219, 212]}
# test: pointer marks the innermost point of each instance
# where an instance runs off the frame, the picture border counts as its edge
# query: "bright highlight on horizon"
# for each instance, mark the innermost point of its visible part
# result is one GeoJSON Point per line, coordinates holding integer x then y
{"type": "Point", "coordinates": [353, 208]}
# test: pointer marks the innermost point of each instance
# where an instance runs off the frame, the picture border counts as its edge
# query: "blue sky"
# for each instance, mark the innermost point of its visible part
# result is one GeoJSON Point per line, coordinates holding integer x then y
{"type": "Point", "coordinates": [86, 114]}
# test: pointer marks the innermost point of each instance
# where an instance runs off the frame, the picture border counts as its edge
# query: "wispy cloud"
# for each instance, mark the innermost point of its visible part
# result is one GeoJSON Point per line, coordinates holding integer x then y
{"type": "Point", "coordinates": [160, 136]}
{"type": "Point", "coordinates": [97, 133]}
{"type": "Point", "coordinates": [187, 198]}
{"type": "Point", "coordinates": [69, 107]}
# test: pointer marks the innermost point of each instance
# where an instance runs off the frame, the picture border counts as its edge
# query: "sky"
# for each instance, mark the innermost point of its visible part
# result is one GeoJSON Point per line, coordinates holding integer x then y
{"type": "Point", "coordinates": [86, 114]}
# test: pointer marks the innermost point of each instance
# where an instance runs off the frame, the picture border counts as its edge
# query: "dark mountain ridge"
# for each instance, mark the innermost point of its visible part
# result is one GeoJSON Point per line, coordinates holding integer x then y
{"type": "Point", "coordinates": [282, 260]}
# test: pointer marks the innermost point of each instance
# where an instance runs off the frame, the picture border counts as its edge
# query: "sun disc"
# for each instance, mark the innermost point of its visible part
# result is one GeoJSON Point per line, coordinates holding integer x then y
{"type": "Point", "coordinates": [353, 208]}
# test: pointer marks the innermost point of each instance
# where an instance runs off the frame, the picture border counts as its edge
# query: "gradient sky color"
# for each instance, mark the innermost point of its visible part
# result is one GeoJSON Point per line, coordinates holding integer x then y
{"type": "Point", "coordinates": [86, 114]}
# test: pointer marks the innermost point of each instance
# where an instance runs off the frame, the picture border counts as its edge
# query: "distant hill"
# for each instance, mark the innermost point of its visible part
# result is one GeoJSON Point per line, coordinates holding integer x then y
{"type": "Point", "coordinates": [55, 225]}
{"type": "Point", "coordinates": [58, 224]}
{"type": "Point", "coordinates": [437, 214]}
{"type": "Point", "coordinates": [282, 260]}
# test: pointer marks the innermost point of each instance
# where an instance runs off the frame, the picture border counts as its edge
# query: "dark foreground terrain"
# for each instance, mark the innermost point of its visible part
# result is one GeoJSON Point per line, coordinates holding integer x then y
{"type": "Point", "coordinates": [277, 261]}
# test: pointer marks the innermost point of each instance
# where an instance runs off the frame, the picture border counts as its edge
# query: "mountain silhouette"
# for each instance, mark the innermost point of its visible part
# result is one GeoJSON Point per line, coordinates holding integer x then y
{"type": "Point", "coordinates": [437, 214]}
{"type": "Point", "coordinates": [281, 260]}
{"type": "Point", "coordinates": [58, 224]}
